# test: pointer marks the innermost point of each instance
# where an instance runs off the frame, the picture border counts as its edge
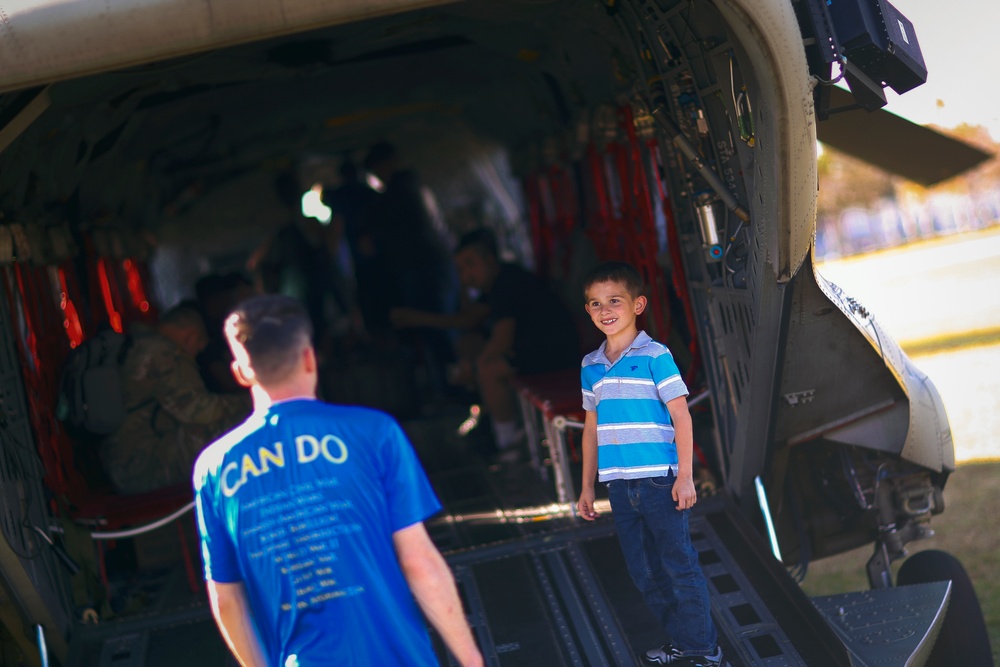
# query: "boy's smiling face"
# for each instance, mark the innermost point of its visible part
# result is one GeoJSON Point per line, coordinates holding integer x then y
{"type": "Point", "coordinates": [612, 309]}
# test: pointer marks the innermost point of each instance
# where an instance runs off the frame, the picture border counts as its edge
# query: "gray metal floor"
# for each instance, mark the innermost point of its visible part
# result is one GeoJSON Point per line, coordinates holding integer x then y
{"type": "Point", "coordinates": [544, 589]}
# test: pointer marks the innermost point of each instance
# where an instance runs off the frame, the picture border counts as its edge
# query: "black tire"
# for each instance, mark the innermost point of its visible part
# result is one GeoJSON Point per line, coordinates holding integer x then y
{"type": "Point", "coordinates": [963, 639]}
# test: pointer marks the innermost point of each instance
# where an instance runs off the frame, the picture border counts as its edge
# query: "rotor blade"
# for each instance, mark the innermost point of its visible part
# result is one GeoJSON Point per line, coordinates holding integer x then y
{"type": "Point", "coordinates": [895, 144]}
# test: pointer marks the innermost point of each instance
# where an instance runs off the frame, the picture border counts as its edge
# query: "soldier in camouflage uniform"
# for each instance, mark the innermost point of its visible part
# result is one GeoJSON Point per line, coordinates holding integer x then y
{"type": "Point", "coordinates": [171, 415]}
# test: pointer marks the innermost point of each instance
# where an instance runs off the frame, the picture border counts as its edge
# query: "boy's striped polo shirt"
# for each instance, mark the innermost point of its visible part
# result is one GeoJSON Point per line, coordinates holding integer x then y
{"type": "Point", "coordinates": [635, 436]}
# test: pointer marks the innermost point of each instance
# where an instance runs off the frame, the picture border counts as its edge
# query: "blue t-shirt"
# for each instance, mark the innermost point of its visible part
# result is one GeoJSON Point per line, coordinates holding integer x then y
{"type": "Point", "coordinates": [300, 503]}
{"type": "Point", "coordinates": [635, 436]}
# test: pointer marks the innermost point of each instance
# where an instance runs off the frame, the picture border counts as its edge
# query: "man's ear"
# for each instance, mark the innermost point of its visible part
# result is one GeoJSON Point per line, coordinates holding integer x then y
{"type": "Point", "coordinates": [309, 359]}
{"type": "Point", "coordinates": [640, 304]}
{"type": "Point", "coordinates": [243, 377]}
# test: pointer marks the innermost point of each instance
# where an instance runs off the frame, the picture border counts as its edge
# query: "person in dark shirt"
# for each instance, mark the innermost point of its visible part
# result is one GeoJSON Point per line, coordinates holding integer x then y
{"type": "Point", "coordinates": [528, 327]}
{"type": "Point", "coordinates": [412, 254]}
{"type": "Point", "coordinates": [350, 205]}
{"type": "Point", "coordinates": [296, 260]}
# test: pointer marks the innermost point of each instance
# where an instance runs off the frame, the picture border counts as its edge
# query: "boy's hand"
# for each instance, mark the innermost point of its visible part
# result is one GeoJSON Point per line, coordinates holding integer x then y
{"type": "Point", "coordinates": [585, 506]}
{"type": "Point", "coordinates": [684, 493]}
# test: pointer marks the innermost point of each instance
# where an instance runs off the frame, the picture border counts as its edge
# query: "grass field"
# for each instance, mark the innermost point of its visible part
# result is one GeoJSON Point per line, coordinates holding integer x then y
{"type": "Point", "coordinates": [967, 529]}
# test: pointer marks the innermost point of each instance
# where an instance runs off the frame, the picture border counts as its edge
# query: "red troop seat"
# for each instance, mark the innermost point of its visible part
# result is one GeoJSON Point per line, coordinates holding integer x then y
{"type": "Point", "coordinates": [554, 399]}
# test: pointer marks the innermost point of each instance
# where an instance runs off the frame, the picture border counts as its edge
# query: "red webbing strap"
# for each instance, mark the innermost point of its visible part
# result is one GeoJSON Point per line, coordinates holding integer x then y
{"type": "Point", "coordinates": [637, 227]}
{"type": "Point", "coordinates": [67, 303]}
{"type": "Point", "coordinates": [53, 348]}
{"type": "Point", "coordinates": [601, 221]}
{"type": "Point", "coordinates": [566, 214]}
{"type": "Point", "coordinates": [647, 247]}
{"type": "Point", "coordinates": [97, 316]}
{"type": "Point", "coordinates": [564, 198]}
{"type": "Point", "coordinates": [677, 275]}
{"type": "Point", "coordinates": [40, 383]}
{"type": "Point", "coordinates": [52, 343]}
{"type": "Point", "coordinates": [536, 215]}
{"type": "Point", "coordinates": [136, 280]}
{"type": "Point", "coordinates": [146, 277]}
{"type": "Point", "coordinates": [112, 302]}
{"type": "Point", "coordinates": [549, 222]}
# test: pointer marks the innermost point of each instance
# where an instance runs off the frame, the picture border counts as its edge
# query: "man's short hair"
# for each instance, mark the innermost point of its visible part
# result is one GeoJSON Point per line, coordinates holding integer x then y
{"type": "Point", "coordinates": [273, 329]}
{"type": "Point", "coordinates": [615, 272]}
{"type": "Point", "coordinates": [185, 315]}
{"type": "Point", "coordinates": [483, 240]}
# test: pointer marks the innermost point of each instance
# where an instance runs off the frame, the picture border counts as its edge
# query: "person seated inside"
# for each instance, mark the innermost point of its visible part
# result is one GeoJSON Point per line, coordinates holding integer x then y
{"type": "Point", "coordinates": [171, 416]}
{"type": "Point", "coordinates": [528, 329]}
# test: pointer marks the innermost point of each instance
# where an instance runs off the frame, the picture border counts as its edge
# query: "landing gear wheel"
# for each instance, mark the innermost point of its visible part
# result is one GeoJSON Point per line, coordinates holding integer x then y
{"type": "Point", "coordinates": [963, 639]}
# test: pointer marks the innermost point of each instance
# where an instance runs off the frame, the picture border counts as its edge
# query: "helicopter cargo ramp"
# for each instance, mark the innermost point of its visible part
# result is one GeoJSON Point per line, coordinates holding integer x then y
{"type": "Point", "coordinates": [553, 589]}
{"type": "Point", "coordinates": [542, 588]}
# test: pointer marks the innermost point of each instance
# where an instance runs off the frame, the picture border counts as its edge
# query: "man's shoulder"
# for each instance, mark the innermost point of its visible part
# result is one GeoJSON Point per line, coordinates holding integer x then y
{"type": "Point", "coordinates": [374, 424]}
{"type": "Point", "coordinates": [210, 460]}
{"type": "Point", "coordinates": [345, 412]}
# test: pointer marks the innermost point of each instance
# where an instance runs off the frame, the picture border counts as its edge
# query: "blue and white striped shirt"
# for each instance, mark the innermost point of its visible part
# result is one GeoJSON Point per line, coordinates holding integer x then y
{"type": "Point", "coordinates": [635, 436]}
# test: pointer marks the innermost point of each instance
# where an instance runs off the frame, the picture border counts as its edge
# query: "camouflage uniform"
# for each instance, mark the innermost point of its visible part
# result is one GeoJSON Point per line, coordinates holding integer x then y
{"type": "Point", "coordinates": [171, 418]}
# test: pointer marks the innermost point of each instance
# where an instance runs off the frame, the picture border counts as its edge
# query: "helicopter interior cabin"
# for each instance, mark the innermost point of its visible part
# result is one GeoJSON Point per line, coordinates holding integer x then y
{"type": "Point", "coordinates": [678, 136]}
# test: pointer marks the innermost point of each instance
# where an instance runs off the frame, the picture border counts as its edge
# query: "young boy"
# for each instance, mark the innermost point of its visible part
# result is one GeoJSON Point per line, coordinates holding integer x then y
{"type": "Point", "coordinates": [638, 438]}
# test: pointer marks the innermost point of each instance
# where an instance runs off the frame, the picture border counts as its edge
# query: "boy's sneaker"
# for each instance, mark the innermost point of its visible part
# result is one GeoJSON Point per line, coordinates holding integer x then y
{"type": "Point", "coordinates": [669, 655]}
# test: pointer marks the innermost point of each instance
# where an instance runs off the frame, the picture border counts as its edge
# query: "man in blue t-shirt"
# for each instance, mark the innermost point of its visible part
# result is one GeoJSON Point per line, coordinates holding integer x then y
{"type": "Point", "coordinates": [311, 519]}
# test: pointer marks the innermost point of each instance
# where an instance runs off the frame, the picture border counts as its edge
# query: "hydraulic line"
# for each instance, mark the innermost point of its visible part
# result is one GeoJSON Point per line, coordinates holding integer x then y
{"type": "Point", "coordinates": [683, 144]}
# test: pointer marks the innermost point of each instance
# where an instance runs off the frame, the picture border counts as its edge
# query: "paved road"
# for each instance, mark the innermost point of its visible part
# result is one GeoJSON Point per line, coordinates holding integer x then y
{"type": "Point", "coordinates": [942, 288]}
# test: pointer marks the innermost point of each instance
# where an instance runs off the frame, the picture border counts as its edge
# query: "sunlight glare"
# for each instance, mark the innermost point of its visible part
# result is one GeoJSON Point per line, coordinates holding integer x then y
{"type": "Point", "coordinates": [313, 206]}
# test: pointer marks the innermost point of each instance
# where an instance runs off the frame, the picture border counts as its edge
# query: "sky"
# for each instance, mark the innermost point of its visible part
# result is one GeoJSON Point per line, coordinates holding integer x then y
{"type": "Point", "coordinates": [958, 42]}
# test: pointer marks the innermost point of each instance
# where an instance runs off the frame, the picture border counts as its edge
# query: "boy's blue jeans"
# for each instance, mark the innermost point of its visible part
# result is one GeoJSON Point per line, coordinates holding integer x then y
{"type": "Point", "coordinates": [663, 563]}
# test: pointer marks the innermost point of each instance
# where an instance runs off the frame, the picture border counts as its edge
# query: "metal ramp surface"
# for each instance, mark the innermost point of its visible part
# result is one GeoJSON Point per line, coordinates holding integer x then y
{"type": "Point", "coordinates": [542, 588]}
{"type": "Point", "coordinates": [562, 596]}
{"type": "Point", "coordinates": [183, 636]}
{"type": "Point", "coordinates": [173, 626]}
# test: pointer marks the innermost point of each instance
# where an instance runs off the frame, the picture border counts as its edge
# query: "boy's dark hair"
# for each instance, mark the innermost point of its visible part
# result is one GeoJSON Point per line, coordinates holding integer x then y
{"type": "Point", "coordinates": [483, 240]}
{"type": "Point", "coordinates": [273, 329]}
{"type": "Point", "coordinates": [615, 272]}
